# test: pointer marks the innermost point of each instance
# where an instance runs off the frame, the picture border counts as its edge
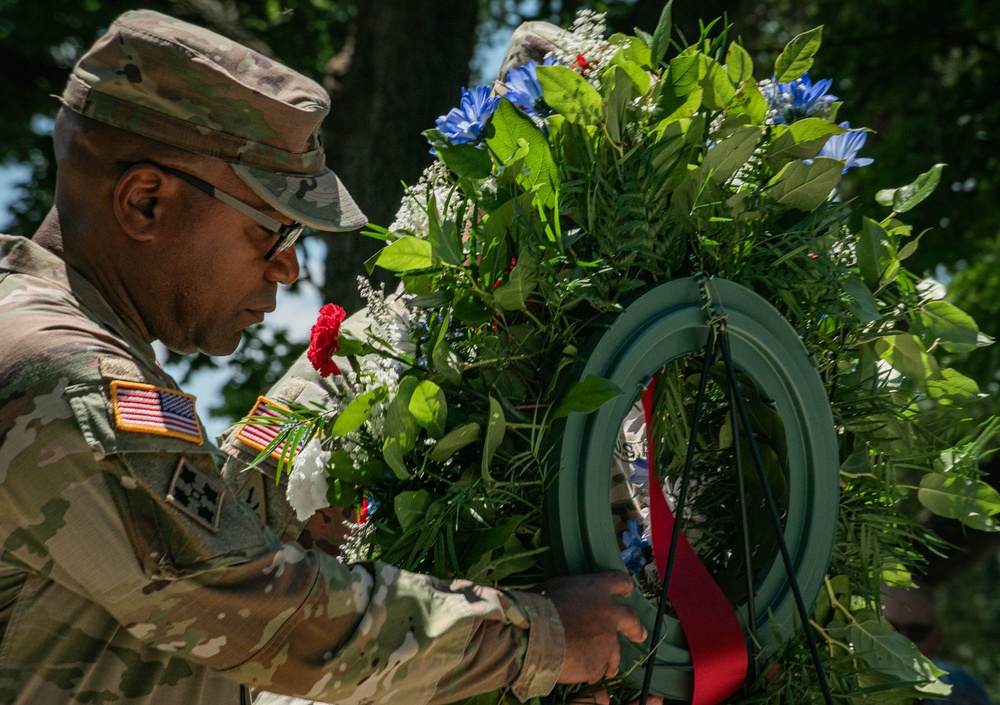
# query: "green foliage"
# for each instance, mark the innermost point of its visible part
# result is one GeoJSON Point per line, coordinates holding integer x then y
{"type": "Point", "coordinates": [647, 170]}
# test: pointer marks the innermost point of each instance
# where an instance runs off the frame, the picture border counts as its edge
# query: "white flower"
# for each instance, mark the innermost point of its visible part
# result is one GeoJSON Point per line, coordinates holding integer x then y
{"type": "Point", "coordinates": [437, 182]}
{"type": "Point", "coordinates": [306, 490]}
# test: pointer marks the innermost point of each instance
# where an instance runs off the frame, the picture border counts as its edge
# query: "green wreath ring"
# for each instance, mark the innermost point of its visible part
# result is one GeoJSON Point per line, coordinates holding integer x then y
{"type": "Point", "coordinates": [664, 324]}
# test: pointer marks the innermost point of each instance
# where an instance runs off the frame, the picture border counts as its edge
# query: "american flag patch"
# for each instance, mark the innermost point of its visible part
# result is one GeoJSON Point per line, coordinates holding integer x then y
{"type": "Point", "coordinates": [144, 408]}
{"type": "Point", "coordinates": [266, 420]}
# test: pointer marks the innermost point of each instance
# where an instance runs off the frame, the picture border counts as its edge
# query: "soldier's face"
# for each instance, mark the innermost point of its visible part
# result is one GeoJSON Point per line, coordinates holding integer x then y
{"type": "Point", "coordinates": [221, 282]}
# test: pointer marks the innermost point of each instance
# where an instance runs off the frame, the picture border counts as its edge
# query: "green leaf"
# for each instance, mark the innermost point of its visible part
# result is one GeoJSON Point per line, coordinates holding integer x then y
{"type": "Point", "coordinates": [797, 57]}
{"type": "Point", "coordinates": [406, 254]}
{"type": "Point", "coordinates": [467, 161]}
{"type": "Point", "coordinates": [857, 463]}
{"type": "Point", "coordinates": [342, 467]}
{"type": "Point", "coordinates": [619, 92]}
{"type": "Point", "coordinates": [356, 412]}
{"type": "Point", "coordinates": [392, 452]}
{"type": "Point", "coordinates": [446, 242]}
{"type": "Point", "coordinates": [471, 310]}
{"type": "Point", "coordinates": [670, 108]}
{"type": "Point", "coordinates": [400, 428]}
{"type": "Point", "coordinates": [805, 186]}
{"type": "Point", "coordinates": [341, 494]}
{"type": "Point", "coordinates": [952, 388]}
{"type": "Point", "coordinates": [513, 295]}
{"type": "Point", "coordinates": [949, 326]}
{"type": "Point", "coordinates": [717, 89]}
{"type": "Point", "coordinates": [494, 538]}
{"type": "Point", "coordinates": [739, 65]}
{"type": "Point", "coordinates": [907, 356]}
{"type": "Point", "coordinates": [630, 60]}
{"type": "Point", "coordinates": [823, 610]}
{"type": "Point", "coordinates": [749, 101]}
{"type": "Point", "coordinates": [496, 427]}
{"type": "Point", "coordinates": [803, 139]}
{"type": "Point", "coordinates": [505, 129]}
{"type": "Point", "coordinates": [876, 258]}
{"type": "Point", "coordinates": [515, 217]}
{"type": "Point", "coordinates": [429, 407]}
{"type": "Point", "coordinates": [570, 94]}
{"type": "Point", "coordinates": [906, 197]}
{"type": "Point", "coordinates": [586, 396]}
{"type": "Point", "coordinates": [685, 73]}
{"type": "Point", "coordinates": [724, 159]}
{"type": "Point", "coordinates": [411, 507]}
{"type": "Point", "coordinates": [958, 497]}
{"type": "Point", "coordinates": [909, 248]}
{"type": "Point", "coordinates": [453, 441]}
{"type": "Point", "coordinates": [635, 51]}
{"type": "Point", "coordinates": [661, 35]}
{"type": "Point", "coordinates": [859, 300]}
{"type": "Point", "coordinates": [512, 559]}
{"type": "Point", "coordinates": [351, 345]}
{"type": "Point", "coordinates": [445, 359]}
{"type": "Point", "coordinates": [880, 646]}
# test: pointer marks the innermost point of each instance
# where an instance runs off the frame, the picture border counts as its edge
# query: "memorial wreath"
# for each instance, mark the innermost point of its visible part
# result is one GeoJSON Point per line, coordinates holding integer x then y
{"type": "Point", "coordinates": [632, 292]}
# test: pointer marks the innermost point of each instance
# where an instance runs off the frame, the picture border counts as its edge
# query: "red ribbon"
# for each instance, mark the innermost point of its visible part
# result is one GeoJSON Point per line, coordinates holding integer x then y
{"type": "Point", "coordinates": [713, 632]}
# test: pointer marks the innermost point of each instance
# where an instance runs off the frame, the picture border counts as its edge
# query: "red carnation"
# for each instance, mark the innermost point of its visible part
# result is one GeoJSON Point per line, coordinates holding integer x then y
{"type": "Point", "coordinates": [323, 339]}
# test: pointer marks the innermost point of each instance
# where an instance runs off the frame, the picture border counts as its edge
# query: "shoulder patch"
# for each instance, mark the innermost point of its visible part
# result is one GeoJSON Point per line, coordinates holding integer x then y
{"type": "Point", "coordinates": [192, 492]}
{"type": "Point", "coordinates": [143, 408]}
{"type": "Point", "coordinates": [266, 420]}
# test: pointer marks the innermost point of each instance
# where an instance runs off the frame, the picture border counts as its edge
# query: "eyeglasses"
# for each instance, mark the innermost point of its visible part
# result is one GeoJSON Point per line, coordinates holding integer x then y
{"type": "Point", "coordinates": [287, 233]}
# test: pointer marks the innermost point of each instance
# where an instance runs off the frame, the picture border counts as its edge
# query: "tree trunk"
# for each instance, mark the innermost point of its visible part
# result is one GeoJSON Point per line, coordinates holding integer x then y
{"type": "Point", "coordinates": [404, 66]}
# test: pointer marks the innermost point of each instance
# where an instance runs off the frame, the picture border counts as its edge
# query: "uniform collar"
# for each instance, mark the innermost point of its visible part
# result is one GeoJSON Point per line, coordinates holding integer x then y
{"type": "Point", "coordinates": [20, 255]}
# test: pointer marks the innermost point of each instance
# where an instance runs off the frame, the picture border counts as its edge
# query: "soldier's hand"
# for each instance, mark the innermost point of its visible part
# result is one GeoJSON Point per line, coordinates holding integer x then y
{"type": "Point", "coordinates": [592, 619]}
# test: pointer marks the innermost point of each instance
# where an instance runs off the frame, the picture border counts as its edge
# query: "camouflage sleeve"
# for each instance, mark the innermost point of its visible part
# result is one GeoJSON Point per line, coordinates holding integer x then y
{"type": "Point", "coordinates": [538, 660]}
{"type": "Point", "coordinates": [531, 41]}
{"type": "Point", "coordinates": [142, 526]}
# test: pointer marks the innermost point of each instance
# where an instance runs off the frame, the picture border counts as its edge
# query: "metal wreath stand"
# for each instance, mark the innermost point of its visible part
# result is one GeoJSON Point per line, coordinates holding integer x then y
{"type": "Point", "coordinates": [719, 320]}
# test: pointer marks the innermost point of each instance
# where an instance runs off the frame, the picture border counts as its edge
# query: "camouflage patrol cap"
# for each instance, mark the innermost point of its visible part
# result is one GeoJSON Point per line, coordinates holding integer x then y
{"type": "Point", "coordinates": [194, 89]}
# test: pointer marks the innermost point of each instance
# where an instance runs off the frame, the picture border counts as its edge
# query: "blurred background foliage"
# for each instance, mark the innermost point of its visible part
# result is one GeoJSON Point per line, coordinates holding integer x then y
{"type": "Point", "coordinates": [922, 74]}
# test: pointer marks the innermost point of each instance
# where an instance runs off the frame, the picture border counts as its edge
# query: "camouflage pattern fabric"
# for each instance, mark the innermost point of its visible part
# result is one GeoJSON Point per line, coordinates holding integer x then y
{"type": "Point", "coordinates": [131, 573]}
{"type": "Point", "coordinates": [186, 86]}
{"type": "Point", "coordinates": [531, 41]}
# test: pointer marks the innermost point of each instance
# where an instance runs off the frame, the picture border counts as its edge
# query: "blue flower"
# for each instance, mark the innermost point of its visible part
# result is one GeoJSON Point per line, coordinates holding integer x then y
{"type": "Point", "coordinates": [845, 148]}
{"type": "Point", "coordinates": [799, 98]}
{"type": "Point", "coordinates": [524, 90]}
{"type": "Point", "coordinates": [634, 555]}
{"type": "Point", "coordinates": [465, 124]}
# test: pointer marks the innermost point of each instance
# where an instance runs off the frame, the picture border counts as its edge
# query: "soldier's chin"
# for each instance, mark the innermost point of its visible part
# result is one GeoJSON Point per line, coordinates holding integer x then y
{"type": "Point", "coordinates": [221, 348]}
{"type": "Point", "coordinates": [215, 346]}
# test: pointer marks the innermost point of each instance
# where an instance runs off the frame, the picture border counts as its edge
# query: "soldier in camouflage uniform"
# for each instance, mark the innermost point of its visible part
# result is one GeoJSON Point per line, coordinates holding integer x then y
{"type": "Point", "coordinates": [132, 571]}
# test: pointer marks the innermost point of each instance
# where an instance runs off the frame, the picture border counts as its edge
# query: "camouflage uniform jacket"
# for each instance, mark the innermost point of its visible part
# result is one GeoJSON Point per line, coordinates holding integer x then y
{"type": "Point", "coordinates": [131, 573]}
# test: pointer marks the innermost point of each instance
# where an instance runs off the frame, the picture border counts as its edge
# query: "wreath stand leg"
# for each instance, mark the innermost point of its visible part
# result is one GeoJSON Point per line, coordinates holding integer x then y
{"type": "Point", "coordinates": [738, 405]}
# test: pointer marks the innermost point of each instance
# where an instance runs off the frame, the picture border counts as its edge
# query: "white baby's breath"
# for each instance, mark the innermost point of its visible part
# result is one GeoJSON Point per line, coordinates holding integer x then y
{"type": "Point", "coordinates": [436, 181]}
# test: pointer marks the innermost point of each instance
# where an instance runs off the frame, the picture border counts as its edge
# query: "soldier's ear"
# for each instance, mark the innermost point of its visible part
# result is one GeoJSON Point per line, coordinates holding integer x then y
{"type": "Point", "coordinates": [141, 198]}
